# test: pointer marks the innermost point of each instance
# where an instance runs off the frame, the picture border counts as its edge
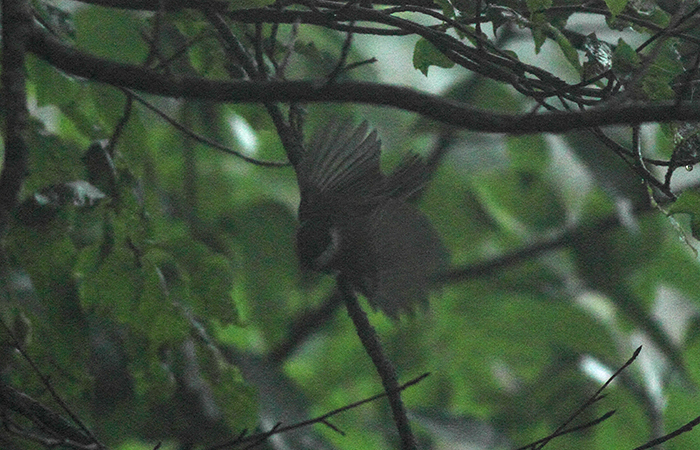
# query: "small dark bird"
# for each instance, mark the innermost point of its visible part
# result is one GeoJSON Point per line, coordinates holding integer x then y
{"type": "Point", "coordinates": [355, 222]}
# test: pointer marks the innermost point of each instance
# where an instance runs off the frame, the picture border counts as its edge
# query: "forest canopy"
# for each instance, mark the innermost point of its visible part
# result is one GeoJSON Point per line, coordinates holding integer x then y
{"type": "Point", "coordinates": [527, 166]}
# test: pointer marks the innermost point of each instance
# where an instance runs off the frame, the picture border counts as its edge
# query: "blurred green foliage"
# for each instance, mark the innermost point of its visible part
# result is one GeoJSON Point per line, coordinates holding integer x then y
{"type": "Point", "coordinates": [153, 286]}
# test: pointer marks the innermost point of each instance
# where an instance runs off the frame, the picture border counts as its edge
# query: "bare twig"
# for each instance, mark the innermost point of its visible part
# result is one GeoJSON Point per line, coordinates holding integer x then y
{"type": "Point", "coordinates": [342, 59]}
{"type": "Point", "coordinates": [232, 45]}
{"type": "Point", "coordinates": [594, 398]}
{"type": "Point", "coordinates": [55, 429]}
{"type": "Point", "coordinates": [191, 134]}
{"type": "Point", "coordinates": [39, 414]}
{"type": "Point", "coordinates": [658, 441]}
{"type": "Point", "coordinates": [278, 428]}
{"type": "Point", "coordinates": [585, 426]}
{"type": "Point", "coordinates": [637, 164]}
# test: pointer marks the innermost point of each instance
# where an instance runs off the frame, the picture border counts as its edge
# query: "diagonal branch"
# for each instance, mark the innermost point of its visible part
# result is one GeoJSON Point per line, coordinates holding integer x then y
{"type": "Point", "coordinates": [658, 441]}
{"type": "Point", "coordinates": [279, 428]}
{"type": "Point", "coordinates": [370, 340]}
{"type": "Point", "coordinates": [44, 418]}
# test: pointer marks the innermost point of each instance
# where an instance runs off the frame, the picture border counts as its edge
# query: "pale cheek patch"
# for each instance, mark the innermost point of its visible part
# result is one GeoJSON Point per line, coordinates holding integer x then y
{"type": "Point", "coordinates": [331, 251]}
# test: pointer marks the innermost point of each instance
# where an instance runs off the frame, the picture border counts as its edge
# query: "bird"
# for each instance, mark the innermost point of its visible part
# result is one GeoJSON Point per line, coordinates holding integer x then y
{"type": "Point", "coordinates": [356, 222]}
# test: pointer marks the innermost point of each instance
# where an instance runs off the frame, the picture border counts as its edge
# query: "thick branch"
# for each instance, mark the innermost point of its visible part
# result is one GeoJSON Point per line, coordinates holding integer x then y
{"type": "Point", "coordinates": [437, 108]}
{"type": "Point", "coordinates": [16, 28]}
{"type": "Point", "coordinates": [215, 5]}
{"type": "Point", "coordinates": [171, 5]}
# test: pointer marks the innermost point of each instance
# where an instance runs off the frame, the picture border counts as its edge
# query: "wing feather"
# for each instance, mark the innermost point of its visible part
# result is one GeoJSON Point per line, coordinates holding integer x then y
{"type": "Point", "coordinates": [341, 160]}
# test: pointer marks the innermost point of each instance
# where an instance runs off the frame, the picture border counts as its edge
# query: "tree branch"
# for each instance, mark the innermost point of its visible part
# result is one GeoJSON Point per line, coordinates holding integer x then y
{"type": "Point", "coordinates": [658, 441]}
{"type": "Point", "coordinates": [217, 5]}
{"type": "Point", "coordinates": [434, 107]}
{"type": "Point", "coordinates": [592, 399]}
{"type": "Point", "coordinates": [373, 347]}
{"type": "Point", "coordinates": [16, 29]}
{"type": "Point", "coordinates": [279, 428]}
{"type": "Point", "coordinates": [44, 418]}
{"type": "Point", "coordinates": [306, 324]}
{"type": "Point", "coordinates": [515, 257]}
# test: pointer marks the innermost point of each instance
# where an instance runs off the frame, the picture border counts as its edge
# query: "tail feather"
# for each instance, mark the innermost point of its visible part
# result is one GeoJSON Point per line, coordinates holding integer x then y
{"type": "Point", "coordinates": [409, 254]}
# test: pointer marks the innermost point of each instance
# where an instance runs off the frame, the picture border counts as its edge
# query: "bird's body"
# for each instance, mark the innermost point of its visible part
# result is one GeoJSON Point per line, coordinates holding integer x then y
{"type": "Point", "coordinates": [355, 221]}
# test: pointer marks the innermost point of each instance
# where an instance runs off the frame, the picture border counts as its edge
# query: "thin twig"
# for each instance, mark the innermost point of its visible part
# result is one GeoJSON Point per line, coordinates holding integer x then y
{"type": "Point", "coordinates": [684, 429]}
{"type": "Point", "coordinates": [585, 426]}
{"type": "Point", "coordinates": [342, 60]}
{"type": "Point", "coordinates": [288, 50]}
{"type": "Point", "coordinates": [191, 134]}
{"type": "Point", "coordinates": [278, 428]}
{"type": "Point", "coordinates": [121, 124]}
{"type": "Point", "coordinates": [448, 111]}
{"type": "Point", "coordinates": [233, 46]}
{"type": "Point", "coordinates": [594, 398]}
{"type": "Point", "coordinates": [639, 169]}
{"type": "Point", "coordinates": [36, 411]}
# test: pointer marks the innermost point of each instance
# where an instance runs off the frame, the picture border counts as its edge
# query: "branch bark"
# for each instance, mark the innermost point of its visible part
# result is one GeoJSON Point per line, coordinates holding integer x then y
{"type": "Point", "coordinates": [443, 110]}
{"type": "Point", "coordinates": [216, 5]}
{"type": "Point", "coordinates": [53, 424]}
{"type": "Point", "coordinates": [387, 373]}
{"type": "Point", "coordinates": [16, 29]}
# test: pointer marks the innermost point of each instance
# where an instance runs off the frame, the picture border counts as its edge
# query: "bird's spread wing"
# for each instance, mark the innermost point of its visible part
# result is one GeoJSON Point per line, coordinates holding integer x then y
{"type": "Point", "coordinates": [341, 161]}
{"type": "Point", "coordinates": [409, 254]}
{"type": "Point", "coordinates": [408, 179]}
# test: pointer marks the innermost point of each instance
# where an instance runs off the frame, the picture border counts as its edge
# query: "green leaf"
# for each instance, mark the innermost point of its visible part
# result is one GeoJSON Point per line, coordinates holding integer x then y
{"type": "Point", "coordinates": [567, 49]}
{"type": "Point", "coordinates": [110, 33]}
{"type": "Point", "coordinates": [538, 26]}
{"type": "Point", "coordinates": [625, 60]}
{"type": "Point", "coordinates": [158, 316]}
{"type": "Point", "coordinates": [616, 6]}
{"type": "Point", "coordinates": [528, 153]}
{"type": "Point", "coordinates": [44, 252]}
{"type": "Point", "coordinates": [52, 86]}
{"type": "Point", "coordinates": [115, 285]}
{"type": "Point", "coordinates": [612, 260]}
{"type": "Point", "coordinates": [521, 202]}
{"type": "Point", "coordinates": [109, 101]}
{"type": "Point", "coordinates": [426, 54]}
{"type": "Point", "coordinates": [688, 203]}
{"type": "Point", "coordinates": [658, 80]}
{"type": "Point", "coordinates": [53, 159]}
{"type": "Point", "coordinates": [209, 276]}
{"type": "Point", "coordinates": [447, 8]}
